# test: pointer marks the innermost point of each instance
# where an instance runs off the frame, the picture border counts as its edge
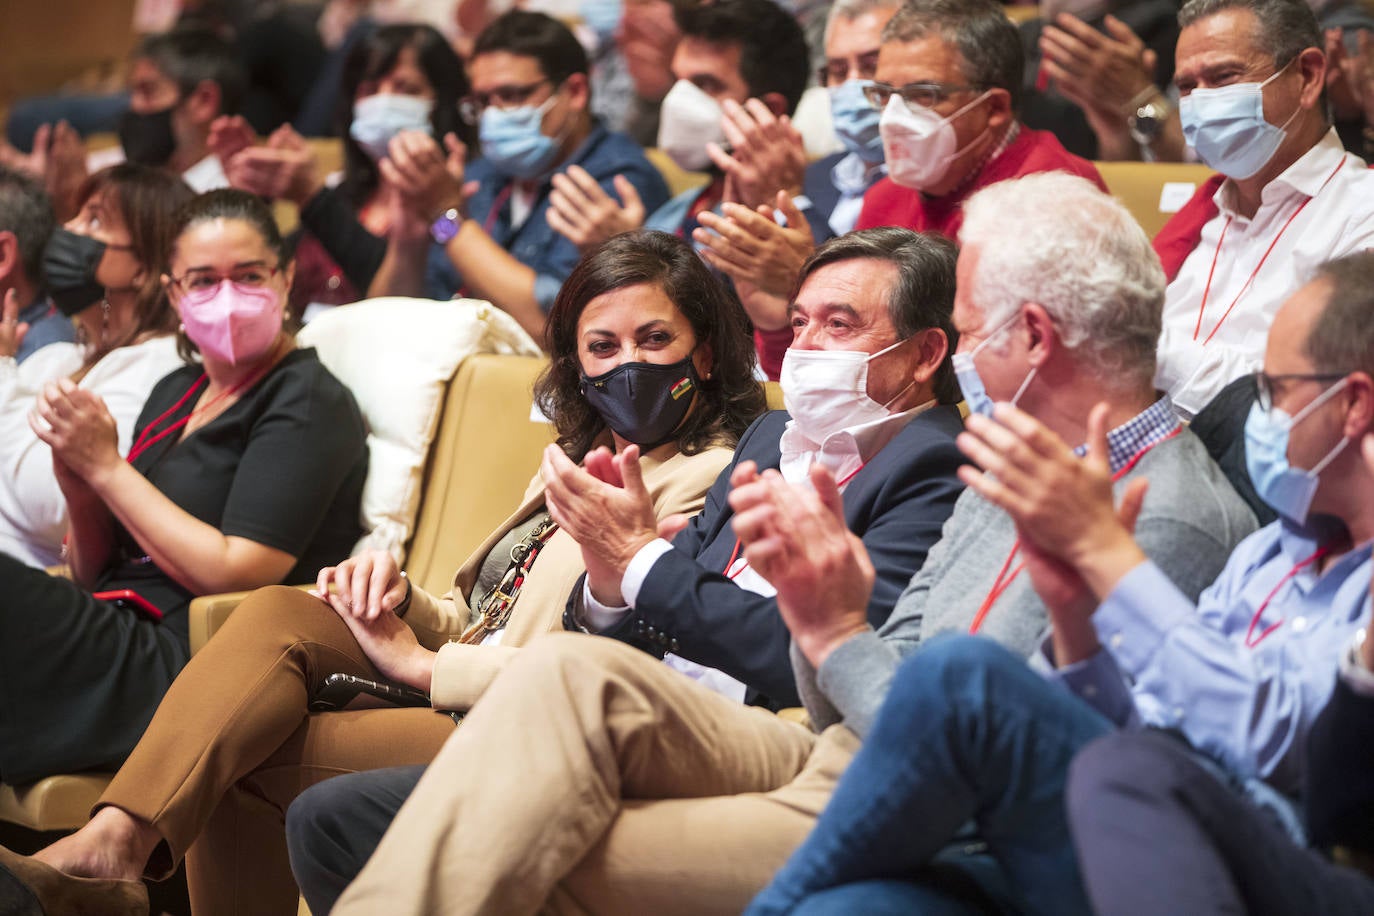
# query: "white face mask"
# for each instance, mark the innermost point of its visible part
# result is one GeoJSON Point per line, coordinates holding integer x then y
{"type": "Point", "coordinates": [826, 391]}
{"type": "Point", "coordinates": [379, 117]}
{"type": "Point", "coordinates": [919, 146]}
{"type": "Point", "coordinates": [688, 120]}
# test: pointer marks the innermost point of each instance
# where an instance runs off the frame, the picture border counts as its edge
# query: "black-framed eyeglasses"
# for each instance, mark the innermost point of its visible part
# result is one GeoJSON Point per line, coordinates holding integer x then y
{"type": "Point", "coordinates": [1264, 384]}
{"type": "Point", "coordinates": [196, 281]}
{"type": "Point", "coordinates": [470, 108]}
{"type": "Point", "coordinates": [837, 71]}
{"type": "Point", "coordinates": [917, 96]}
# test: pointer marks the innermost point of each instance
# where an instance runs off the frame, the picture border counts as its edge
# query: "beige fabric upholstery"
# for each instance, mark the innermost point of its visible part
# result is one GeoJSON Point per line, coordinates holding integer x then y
{"type": "Point", "coordinates": [1142, 187]}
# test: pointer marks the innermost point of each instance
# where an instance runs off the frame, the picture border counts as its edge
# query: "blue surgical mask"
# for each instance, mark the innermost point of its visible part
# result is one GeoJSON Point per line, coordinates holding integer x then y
{"type": "Point", "coordinates": [1225, 126]}
{"type": "Point", "coordinates": [378, 118]}
{"type": "Point", "coordinates": [602, 17]}
{"type": "Point", "coordinates": [856, 121]}
{"type": "Point", "coordinates": [971, 383]}
{"type": "Point", "coordinates": [513, 142]}
{"type": "Point", "coordinates": [1287, 490]}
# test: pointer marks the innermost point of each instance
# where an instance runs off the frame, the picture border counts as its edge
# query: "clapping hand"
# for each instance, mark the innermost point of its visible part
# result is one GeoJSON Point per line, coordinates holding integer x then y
{"type": "Point", "coordinates": [78, 427]}
{"type": "Point", "coordinates": [585, 214]}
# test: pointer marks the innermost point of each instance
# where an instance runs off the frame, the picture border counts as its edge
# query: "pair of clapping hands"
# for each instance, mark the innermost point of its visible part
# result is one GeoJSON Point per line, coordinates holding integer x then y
{"type": "Point", "coordinates": [420, 177]}
{"type": "Point", "coordinates": [1063, 508]}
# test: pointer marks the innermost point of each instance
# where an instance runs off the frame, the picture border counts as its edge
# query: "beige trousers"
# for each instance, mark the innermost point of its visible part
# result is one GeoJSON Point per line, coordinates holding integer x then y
{"type": "Point", "coordinates": [591, 778]}
{"type": "Point", "coordinates": [232, 744]}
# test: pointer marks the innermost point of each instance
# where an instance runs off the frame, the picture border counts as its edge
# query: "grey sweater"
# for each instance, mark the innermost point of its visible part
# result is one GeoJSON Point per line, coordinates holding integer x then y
{"type": "Point", "coordinates": [1191, 521]}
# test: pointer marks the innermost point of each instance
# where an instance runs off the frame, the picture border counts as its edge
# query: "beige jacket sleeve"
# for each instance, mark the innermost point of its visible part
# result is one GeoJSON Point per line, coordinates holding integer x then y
{"type": "Point", "coordinates": [677, 484]}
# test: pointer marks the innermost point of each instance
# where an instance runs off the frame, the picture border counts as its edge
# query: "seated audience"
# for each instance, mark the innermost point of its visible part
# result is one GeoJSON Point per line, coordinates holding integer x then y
{"type": "Point", "coordinates": [1212, 852]}
{"type": "Point", "coordinates": [1098, 75]}
{"type": "Point", "coordinates": [179, 82]}
{"type": "Point", "coordinates": [530, 100]}
{"type": "Point", "coordinates": [1291, 197]}
{"type": "Point", "coordinates": [646, 37]}
{"type": "Point", "coordinates": [104, 271]}
{"type": "Point", "coordinates": [651, 375]}
{"type": "Point", "coordinates": [29, 320]}
{"type": "Point", "coordinates": [969, 732]}
{"type": "Point", "coordinates": [948, 85]}
{"type": "Point", "coordinates": [615, 789]}
{"type": "Point", "coordinates": [761, 254]}
{"type": "Point", "coordinates": [740, 68]}
{"type": "Point", "coordinates": [400, 77]}
{"type": "Point", "coordinates": [245, 470]}
{"type": "Point", "coordinates": [1118, 76]}
{"type": "Point", "coordinates": [834, 186]}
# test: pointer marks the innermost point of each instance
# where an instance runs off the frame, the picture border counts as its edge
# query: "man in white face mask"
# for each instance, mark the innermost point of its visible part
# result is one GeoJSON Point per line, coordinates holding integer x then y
{"type": "Point", "coordinates": [1251, 75]}
{"type": "Point", "coordinates": [948, 85]}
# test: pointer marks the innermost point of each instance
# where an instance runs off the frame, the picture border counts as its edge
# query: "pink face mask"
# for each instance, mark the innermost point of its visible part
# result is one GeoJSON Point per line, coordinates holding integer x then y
{"type": "Point", "coordinates": [231, 322]}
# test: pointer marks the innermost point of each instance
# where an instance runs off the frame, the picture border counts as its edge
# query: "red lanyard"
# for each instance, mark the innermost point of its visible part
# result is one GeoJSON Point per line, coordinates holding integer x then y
{"type": "Point", "coordinates": [147, 439]}
{"type": "Point", "coordinates": [1207, 289]}
{"type": "Point", "coordinates": [1251, 640]}
{"type": "Point", "coordinates": [1004, 579]}
{"type": "Point", "coordinates": [734, 554]}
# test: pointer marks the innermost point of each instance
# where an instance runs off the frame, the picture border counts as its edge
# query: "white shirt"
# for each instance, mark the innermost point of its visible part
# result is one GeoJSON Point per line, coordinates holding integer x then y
{"type": "Point", "coordinates": [1338, 220]}
{"type": "Point", "coordinates": [33, 513]}
{"type": "Point", "coordinates": [844, 452]}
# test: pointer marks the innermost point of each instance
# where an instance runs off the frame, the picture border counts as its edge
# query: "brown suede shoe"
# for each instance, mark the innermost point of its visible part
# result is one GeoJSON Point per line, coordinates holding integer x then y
{"type": "Point", "coordinates": [30, 888]}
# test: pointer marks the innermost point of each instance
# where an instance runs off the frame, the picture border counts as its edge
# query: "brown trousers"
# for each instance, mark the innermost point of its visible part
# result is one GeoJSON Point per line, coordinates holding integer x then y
{"type": "Point", "coordinates": [591, 778]}
{"type": "Point", "coordinates": [233, 744]}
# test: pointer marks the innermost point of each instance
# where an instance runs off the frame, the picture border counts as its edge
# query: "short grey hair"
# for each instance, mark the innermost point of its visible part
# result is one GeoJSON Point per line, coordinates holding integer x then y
{"type": "Point", "coordinates": [26, 210]}
{"type": "Point", "coordinates": [979, 30]}
{"type": "Point", "coordinates": [1286, 27]}
{"type": "Point", "coordinates": [1056, 240]}
{"type": "Point", "coordinates": [853, 9]}
{"type": "Point", "coordinates": [1342, 339]}
{"type": "Point", "coordinates": [923, 296]}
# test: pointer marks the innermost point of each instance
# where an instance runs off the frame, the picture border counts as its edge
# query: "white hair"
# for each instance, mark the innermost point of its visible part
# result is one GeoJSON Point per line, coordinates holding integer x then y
{"type": "Point", "coordinates": [1056, 240]}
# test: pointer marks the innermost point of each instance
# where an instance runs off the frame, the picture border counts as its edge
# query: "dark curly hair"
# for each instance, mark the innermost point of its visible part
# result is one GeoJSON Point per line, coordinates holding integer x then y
{"type": "Point", "coordinates": [727, 402]}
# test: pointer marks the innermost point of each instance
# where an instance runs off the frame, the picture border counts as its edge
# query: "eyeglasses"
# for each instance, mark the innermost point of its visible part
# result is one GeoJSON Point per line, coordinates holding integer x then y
{"type": "Point", "coordinates": [917, 96]}
{"type": "Point", "coordinates": [199, 281]}
{"type": "Point", "coordinates": [471, 107]}
{"type": "Point", "coordinates": [1264, 384]}
{"type": "Point", "coordinates": [839, 70]}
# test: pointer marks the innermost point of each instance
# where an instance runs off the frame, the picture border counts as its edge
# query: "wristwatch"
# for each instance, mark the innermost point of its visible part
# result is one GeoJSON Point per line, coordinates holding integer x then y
{"type": "Point", "coordinates": [1146, 121]}
{"type": "Point", "coordinates": [445, 227]}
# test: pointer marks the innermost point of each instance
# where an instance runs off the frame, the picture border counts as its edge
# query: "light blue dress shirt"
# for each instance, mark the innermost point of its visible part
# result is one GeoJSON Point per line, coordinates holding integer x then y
{"type": "Point", "coordinates": [1244, 701]}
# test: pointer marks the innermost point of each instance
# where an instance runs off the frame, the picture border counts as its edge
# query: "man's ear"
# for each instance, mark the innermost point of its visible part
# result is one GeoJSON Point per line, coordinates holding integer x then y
{"type": "Point", "coordinates": [932, 347]}
{"type": "Point", "coordinates": [205, 102]}
{"type": "Point", "coordinates": [1311, 64]}
{"type": "Point", "coordinates": [1359, 394]}
{"type": "Point", "coordinates": [1042, 336]}
{"type": "Point", "coordinates": [10, 263]}
{"type": "Point", "coordinates": [776, 102]}
{"type": "Point", "coordinates": [999, 108]}
{"type": "Point", "coordinates": [578, 90]}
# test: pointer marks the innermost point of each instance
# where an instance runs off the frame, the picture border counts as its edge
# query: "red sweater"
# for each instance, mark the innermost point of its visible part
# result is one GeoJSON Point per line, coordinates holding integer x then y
{"type": "Point", "coordinates": [889, 204]}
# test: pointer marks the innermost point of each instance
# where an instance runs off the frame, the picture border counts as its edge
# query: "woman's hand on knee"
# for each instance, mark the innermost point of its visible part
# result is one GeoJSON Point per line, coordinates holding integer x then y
{"type": "Point", "coordinates": [364, 587]}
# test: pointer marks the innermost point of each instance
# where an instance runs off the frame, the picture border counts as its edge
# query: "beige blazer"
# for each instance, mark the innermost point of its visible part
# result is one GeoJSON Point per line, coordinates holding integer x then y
{"type": "Point", "coordinates": [676, 482]}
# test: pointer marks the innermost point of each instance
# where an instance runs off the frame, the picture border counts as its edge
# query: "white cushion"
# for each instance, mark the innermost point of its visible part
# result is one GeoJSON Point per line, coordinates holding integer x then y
{"type": "Point", "coordinates": [397, 356]}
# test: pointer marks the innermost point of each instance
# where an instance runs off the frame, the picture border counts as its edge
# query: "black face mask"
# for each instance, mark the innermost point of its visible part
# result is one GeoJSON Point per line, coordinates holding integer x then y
{"type": "Point", "coordinates": [69, 265]}
{"type": "Point", "coordinates": [643, 402]}
{"type": "Point", "coordinates": [147, 138]}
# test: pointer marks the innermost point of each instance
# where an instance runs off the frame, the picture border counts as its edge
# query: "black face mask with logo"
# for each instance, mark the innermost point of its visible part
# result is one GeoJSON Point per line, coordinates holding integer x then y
{"type": "Point", "coordinates": [69, 265]}
{"type": "Point", "coordinates": [147, 138]}
{"type": "Point", "coordinates": [643, 402]}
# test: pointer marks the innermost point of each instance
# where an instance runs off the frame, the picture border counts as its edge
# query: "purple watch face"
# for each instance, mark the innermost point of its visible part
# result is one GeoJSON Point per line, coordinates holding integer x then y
{"type": "Point", "coordinates": [443, 229]}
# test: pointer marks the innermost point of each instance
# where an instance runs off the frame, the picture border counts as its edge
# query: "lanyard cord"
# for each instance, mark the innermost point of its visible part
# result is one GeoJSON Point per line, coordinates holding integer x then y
{"type": "Point", "coordinates": [147, 439]}
{"type": "Point", "coordinates": [1251, 640]}
{"type": "Point", "coordinates": [1004, 580]}
{"type": "Point", "coordinates": [734, 554]}
{"type": "Point", "coordinates": [1207, 289]}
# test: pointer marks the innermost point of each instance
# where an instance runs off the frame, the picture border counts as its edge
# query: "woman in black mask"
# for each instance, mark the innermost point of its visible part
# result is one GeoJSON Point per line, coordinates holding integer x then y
{"type": "Point", "coordinates": [102, 271]}
{"type": "Point", "coordinates": [650, 352]}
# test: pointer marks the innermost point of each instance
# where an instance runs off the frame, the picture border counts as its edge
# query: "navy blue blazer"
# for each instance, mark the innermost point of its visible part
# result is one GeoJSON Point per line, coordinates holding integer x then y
{"type": "Point", "coordinates": [820, 189]}
{"type": "Point", "coordinates": [897, 503]}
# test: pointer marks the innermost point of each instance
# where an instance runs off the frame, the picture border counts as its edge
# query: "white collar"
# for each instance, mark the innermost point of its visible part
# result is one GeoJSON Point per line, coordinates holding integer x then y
{"type": "Point", "coordinates": [1304, 177]}
{"type": "Point", "coordinates": [844, 451]}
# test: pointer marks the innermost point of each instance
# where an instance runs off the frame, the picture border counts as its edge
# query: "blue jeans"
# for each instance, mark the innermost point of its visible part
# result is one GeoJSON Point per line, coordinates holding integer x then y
{"type": "Point", "coordinates": [967, 733]}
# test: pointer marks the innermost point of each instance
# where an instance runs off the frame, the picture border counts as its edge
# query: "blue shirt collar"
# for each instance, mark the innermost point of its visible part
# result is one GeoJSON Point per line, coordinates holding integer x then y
{"type": "Point", "coordinates": [36, 310]}
{"type": "Point", "coordinates": [1145, 430]}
